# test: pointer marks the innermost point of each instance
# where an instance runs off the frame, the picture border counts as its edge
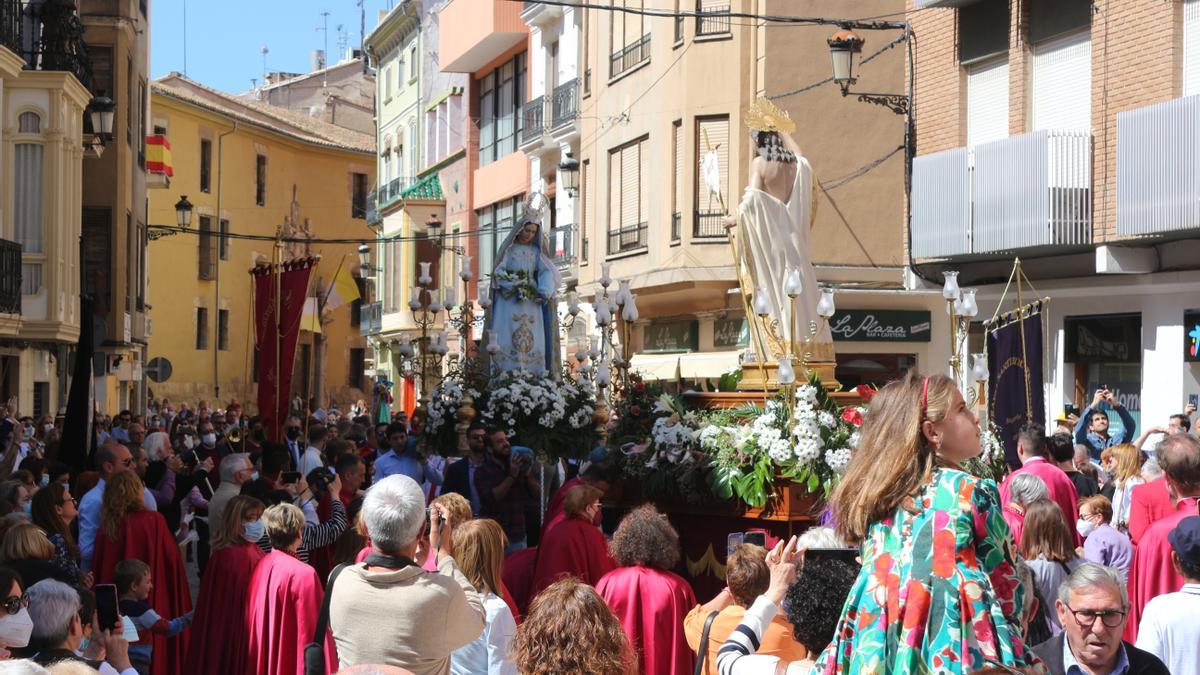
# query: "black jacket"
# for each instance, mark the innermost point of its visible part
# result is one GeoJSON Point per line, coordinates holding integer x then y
{"type": "Point", "coordinates": [457, 478]}
{"type": "Point", "coordinates": [1140, 662]}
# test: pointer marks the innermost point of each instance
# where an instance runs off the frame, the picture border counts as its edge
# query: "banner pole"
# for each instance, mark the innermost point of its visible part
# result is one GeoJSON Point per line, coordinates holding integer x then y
{"type": "Point", "coordinates": [277, 270]}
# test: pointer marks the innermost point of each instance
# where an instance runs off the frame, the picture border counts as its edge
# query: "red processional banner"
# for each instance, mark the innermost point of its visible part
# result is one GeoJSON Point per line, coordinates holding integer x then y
{"type": "Point", "coordinates": [279, 294]}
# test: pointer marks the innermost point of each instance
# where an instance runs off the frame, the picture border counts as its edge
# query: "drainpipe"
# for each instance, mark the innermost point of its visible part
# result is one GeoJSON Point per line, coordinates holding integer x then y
{"type": "Point", "coordinates": [216, 316]}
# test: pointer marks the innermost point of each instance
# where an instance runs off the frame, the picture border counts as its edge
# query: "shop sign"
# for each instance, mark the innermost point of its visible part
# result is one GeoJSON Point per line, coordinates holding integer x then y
{"type": "Point", "coordinates": [1109, 338]}
{"type": "Point", "coordinates": [1191, 335]}
{"type": "Point", "coordinates": [881, 325]}
{"type": "Point", "coordinates": [672, 336]}
{"type": "Point", "coordinates": [731, 333]}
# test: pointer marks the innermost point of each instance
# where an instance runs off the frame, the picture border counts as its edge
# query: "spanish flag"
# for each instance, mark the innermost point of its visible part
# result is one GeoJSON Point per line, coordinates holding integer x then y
{"type": "Point", "coordinates": [342, 290]}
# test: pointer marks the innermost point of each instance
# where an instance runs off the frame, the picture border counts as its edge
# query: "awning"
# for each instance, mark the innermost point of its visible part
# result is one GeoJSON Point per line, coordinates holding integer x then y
{"type": "Point", "coordinates": [701, 365]}
{"type": "Point", "coordinates": [656, 366]}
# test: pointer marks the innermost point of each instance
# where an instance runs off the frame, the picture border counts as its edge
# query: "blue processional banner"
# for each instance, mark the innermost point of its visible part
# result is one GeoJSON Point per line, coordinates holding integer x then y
{"type": "Point", "coordinates": [1015, 367]}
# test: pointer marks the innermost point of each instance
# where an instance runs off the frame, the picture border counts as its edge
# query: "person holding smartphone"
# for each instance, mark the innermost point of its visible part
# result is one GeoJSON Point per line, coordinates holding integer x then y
{"type": "Point", "coordinates": [1092, 428]}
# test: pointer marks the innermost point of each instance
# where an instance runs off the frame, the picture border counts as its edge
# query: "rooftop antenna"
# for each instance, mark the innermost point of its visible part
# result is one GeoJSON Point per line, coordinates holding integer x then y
{"type": "Point", "coordinates": [185, 38]}
{"type": "Point", "coordinates": [362, 33]}
{"type": "Point", "coordinates": [343, 40]}
{"type": "Point", "coordinates": [264, 51]}
{"type": "Point", "coordinates": [325, 61]}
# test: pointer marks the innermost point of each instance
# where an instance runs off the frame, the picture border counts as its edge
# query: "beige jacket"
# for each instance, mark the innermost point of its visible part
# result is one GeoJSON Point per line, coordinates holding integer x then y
{"type": "Point", "coordinates": [409, 618]}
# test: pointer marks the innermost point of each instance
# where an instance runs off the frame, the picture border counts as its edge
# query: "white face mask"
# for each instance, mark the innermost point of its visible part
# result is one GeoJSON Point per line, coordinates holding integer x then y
{"type": "Point", "coordinates": [1085, 527]}
{"type": "Point", "coordinates": [188, 443]}
{"type": "Point", "coordinates": [15, 629]}
{"type": "Point", "coordinates": [48, 428]}
{"type": "Point", "coordinates": [209, 440]}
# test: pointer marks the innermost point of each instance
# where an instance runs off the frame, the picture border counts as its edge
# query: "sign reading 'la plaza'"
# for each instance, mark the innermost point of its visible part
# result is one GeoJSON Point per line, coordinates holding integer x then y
{"type": "Point", "coordinates": [880, 325]}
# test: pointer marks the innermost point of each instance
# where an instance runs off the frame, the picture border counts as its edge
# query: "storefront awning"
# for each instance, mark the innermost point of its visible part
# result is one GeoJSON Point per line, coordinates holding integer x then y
{"type": "Point", "coordinates": [656, 366]}
{"type": "Point", "coordinates": [707, 364]}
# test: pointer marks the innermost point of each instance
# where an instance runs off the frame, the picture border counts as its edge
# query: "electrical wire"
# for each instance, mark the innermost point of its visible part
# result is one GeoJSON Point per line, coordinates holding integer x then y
{"type": "Point", "coordinates": [304, 240]}
{"type": "Point", "coordinates": [861, 171]}
{"type": "Point", "coordinates": [773, 18]}
{"type": "Point", "coordinates": [867, 59]}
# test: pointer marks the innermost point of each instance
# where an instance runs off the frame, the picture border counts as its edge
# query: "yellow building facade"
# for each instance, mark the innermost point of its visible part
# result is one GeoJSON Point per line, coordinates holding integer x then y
{"type": "Point", "coordinates": [253, 169]}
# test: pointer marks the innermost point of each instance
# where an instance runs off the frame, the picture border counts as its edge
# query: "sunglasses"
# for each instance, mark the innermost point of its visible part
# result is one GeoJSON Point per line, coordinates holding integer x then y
{"type": "Point", "coordinates": [13, 603]}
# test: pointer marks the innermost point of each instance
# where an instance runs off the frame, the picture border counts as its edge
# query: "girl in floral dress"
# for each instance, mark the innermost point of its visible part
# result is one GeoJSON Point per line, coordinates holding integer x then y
{"type": "Point", "coordinates": [939, 590]}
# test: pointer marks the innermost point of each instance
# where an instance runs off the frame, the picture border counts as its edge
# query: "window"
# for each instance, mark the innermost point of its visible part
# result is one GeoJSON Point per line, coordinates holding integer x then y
{"type": "Point", "coordinates": [205, 165]}
{"type": "Point", "coordinates": [588, 198]}
{"type": "Point", "coordinates": [358, 364]}
{"type": "Point", "coordinates": [413, 157]}
{"type": "Point", "coordinates": [987, 102]}
{"type": "Point", "coordinates": [629, 40]}
{"type": "Point", "coordinates": [130, 112]}
{"type": "Point", "coordinates": [679, 25]}
{"type": "Point", "coordinates": [260, 180]}
{"type": "Point", "coordinates": [677, 181]}
{"type": "Point", "coordinates": [500, 95]}
{"type": "Point", "coordinates": [28, 202]}
{"type": "Point", "coordinates": [97, 257]}
{"type": "Point", "coordinates": [387, 84]}
{"type": "Point", "coordinates": [131, 275]}
{"type": "Point", "coordinates": [223, 239]}
{"type": "Point", "coordinates": [41, 399]}
{"type": "Point", "coordinates": [1061, 83]}
{"type": "Point", "coordinates": [201, 328]}
{"type": "Point", "coordinates": [1051, 19]}
{"type": "Point", "coordinates": [627, 208]}
{"type": "Point", "coordinates": [357, 304]}
{"type": "Point", "coordinates": [982, 30]}
{"type": "Point", "coordinates": [385, 166]}
{"type": "Point", "coordinates": [412, 62]}
{"type": "Point", "coordinates": [223, 330]}
{"type": "Point", "coordinates": [207, 251]}
{"type": "Point", "coordinates": [712, 135]}
{"type": "Point", "coordinates": [358, 195]}
{"type": "Point", "coordinates": [712, 18]}
{"type": "Point", "coordinates": [495, 221]}
{"type": "Point", "coordinates": [400, 74]}
{"type": "Point", "coordinates": [1191, 47]}
{"type": "Point", "coordinates": [143, 108]}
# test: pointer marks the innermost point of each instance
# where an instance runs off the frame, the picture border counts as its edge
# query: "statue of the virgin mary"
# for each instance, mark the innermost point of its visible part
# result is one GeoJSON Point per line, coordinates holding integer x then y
{"type": "Point", "coordinates": [523, 316]}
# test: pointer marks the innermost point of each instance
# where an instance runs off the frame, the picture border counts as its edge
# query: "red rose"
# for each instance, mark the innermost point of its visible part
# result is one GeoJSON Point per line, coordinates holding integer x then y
{"type": "Point", "coordinates": [853, 416]}
{"type": "Point", "coordinates": [866, 392]}
{"type": "Point", "coordinates": [635, 410]}
{"type": "Point", "coordinates": [640, 386]}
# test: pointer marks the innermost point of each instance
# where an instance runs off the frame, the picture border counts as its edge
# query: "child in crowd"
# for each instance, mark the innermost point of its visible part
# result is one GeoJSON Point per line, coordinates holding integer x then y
{"type": "Point", "coordinates": [134, 584]}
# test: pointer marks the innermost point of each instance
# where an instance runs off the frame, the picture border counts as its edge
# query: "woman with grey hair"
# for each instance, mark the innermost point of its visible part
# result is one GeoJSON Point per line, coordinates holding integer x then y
{"type": "Point", "coordinates": [1025, 489]}
{"type": "Point", "coordinates": [58, 630]}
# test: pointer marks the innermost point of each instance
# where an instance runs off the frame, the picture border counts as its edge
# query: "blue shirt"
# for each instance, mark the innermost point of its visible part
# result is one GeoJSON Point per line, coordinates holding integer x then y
{"type": "Point", "coordinates": [1072, 667]}
{"type": "Point", "coordinates": [1097, 443]}
{"type": "Point", "coordinates": [89, 520]}
{"type": "Point", "coordinates": [410, 464]}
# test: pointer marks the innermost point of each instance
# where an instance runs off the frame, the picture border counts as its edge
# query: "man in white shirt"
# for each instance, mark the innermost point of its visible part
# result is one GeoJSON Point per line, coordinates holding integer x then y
{"type": "Point", "coordinates": [1169, 628]}
{"type": "Point", "coordinates": [236, 470]}
{"type": "Point", "coordinates": [314, 455]}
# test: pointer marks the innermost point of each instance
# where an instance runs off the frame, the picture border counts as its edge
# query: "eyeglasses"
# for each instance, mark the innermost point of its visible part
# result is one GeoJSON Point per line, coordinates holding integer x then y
{"type": "Point", "coordinates": [13, 603]}
{"type": "Point", "coordinates": [69, 499]}
{"type": "Point", "coordinates": [127, 462]}
{"type": "Point", "coordinates": [1109, 617]}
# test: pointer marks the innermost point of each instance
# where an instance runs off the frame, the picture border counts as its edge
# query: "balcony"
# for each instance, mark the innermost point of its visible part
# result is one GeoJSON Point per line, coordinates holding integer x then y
{"type": "Point", "coordinates": [1158, 156]}
{"type": "Point", "coordinates": [483, 31]}
{"type": "Point", "coordinates": [10, 277]}
{"type": "Point", "coordinates": [1027, 191]}
{"type": "Point", "coordinates": [370, 318]}
{"type": "Point", "coordinates": [158, 162]}
{"type": "Point", "coordinates": [563, 243]}
{"type": "Point", "coordinates": [57, 42]}
{"type": "Point", "coordinates": [372, 208]}
{"type": "Point", "coordinates": [391, 191]}
{"type": "Point", "coordinates": [676, 227]}
{"type": "Point", "coordinates": [533, 115]}
{"type": "Point", "coordinates": [628, 239]}
{"type": "Point", "coordinates": [539, 14]}
{"type": "Point", "coordinates": [564, 105]}
{"type": "Point", "coordinates": [629, 58]}
{"type": "Point", "coordinates": [711, 20]}
{"type": "Point", "coordinates": [707, 225]}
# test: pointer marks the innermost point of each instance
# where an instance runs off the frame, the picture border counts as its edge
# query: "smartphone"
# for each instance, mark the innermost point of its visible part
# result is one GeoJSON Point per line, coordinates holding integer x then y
{"type": "Point", "coordinates": [289, 477]}
{"type": "Point", "coordinates": [758, 538]}
{"type": "Point", "coordinates": [846, 555]}
{"type": "Point", "coordinates": [106, 607]}
{"type": "Point", "coordinates": [732, 541]}
{"type": "Point", "coordinates": [1194, 399]}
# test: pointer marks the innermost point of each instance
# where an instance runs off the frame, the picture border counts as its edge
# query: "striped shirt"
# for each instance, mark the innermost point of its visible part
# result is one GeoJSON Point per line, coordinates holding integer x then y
{"type": "Point", "coordinates": [737, 657]}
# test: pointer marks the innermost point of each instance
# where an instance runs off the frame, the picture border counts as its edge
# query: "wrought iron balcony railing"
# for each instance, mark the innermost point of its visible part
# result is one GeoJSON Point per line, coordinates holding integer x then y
{"type": "Point", "coordinates": [676, 227]}
{"type": "Point", "coordinates": [48, 35]}
{"type": "Point", "coordinates": [533, 115]}
{"type": "Point", "coordinates": [712, 20]}
{"type": "Point", "coordinates": [629, 57]}
{"type": "Point", "coordinates": [708, 225]}
{"type": "Point", "coordinates": [563, 242]}
{"type": "Point", "coordinates": [10, 277]}
{"type": "Point", "coordinates": [628, 238]}
{"type": "Point", "coordinates": [564, 104]}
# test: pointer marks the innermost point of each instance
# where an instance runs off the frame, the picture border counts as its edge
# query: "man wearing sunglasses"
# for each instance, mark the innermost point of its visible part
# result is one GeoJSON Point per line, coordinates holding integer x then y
{"type": "Point", "coordinates": [1093, 607]}
{"type": "Point", "coordinates": [111, 459]}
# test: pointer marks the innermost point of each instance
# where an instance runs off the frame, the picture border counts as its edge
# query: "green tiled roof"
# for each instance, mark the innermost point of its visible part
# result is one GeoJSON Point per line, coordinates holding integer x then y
{"type": "Point", "coordinates": [428, 187]}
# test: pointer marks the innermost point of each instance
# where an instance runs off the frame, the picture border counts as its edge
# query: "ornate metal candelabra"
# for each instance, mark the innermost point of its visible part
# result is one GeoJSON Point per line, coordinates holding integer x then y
{"type": "Point", "coordinates": [961, 306]}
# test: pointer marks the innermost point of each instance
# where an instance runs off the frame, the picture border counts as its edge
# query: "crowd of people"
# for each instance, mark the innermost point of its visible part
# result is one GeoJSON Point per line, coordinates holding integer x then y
{"type": "Point", "coordinates": [351, 546]}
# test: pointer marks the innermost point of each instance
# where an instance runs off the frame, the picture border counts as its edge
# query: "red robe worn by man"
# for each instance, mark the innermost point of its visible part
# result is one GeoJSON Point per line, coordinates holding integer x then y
{"type": "Point", "coordinates": [1148, 504]}
{"type": "Point", "coordinates": [649, 601]}
{"type": "Point", "coordinates": [281, 615]}
{"type": "Point", "coordinates": [1034, 461]}
{"type": "Point", "coordinates": [144, 536]}
{"type": "Point", "coordinates": [574, 547]}
{"type": "Point", "coordinates": [218, 642]}
{"type": "Point", "coordinates": [595, 475]}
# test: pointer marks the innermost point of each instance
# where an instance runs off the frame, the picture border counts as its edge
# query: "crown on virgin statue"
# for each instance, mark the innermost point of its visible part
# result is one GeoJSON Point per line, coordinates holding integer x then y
{"type": "Point", "coordinates": [763, 115]}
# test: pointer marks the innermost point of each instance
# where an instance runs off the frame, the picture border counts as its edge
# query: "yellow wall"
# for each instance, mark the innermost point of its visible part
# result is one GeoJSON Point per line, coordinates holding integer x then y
{"type": "Point", "coordinates": [322, 180]}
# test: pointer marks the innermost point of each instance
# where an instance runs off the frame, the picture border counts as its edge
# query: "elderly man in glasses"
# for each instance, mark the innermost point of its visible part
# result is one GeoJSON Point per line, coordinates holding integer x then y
{"type": "Point", "coordinates": [1092, 607]}
{"type": "Point", "coordinates": [111, 459]}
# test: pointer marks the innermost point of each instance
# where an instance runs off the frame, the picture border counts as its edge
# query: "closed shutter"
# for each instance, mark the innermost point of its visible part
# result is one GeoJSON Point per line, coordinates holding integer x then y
{"type": "Point", "coordinates": [712, 134]}
{"type": "Point", "coordinates": [987, 102]}
{"type": "Point", "coordinates": [630, 164]}
{"type": "Point", "coordinates": [643, 201]}
{"type": "Point", "coordinates": [1061, 86]}
{"type": "Point", "coordinates": [1191, 47]}
{"type": "Point", "coordinates": [677, 181]}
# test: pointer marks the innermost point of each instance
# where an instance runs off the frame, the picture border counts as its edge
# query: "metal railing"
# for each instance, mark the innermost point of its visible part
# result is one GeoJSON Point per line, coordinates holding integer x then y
{"type": "Point", "coordinates": [372, 207]}
{"type": "Point", "coordinates": [587, 81]}
{"type": "Point", "coordinates": [711, 20]}
{"type": "Point", "coordinates": [583, 248]}
{"type": "Point", "coordinates": [629, 57]}
{"type": "Point", "coordinates": [1158, 160]}
{"type": "Point", "coordinates": [10, 25]}
{"type": "Point", "coordinates": [708, 225]}
{"type": "Point", "coordinates": [564, 105]}
{"type": "Point", "coordinates": [1025, 191]}
{"type": "Point", "coordinates": [10, 277]}
{"type": "Point", "coordinates": [562, 241]}
{"type": "Point", "coordinates": [679, 20]}
{"type": "Point", "coordinates": [676, 227]}
{"type": "Point", "coordinates": [533, 119]}
{"type": "Point", "coordinates": [370, 318]}
{"type": "Point", "coordinates": [628, 238]}
{"type": "Point", "coordinates": [390, 191]}
{"type": "Point", "coordinates": [48, 35]}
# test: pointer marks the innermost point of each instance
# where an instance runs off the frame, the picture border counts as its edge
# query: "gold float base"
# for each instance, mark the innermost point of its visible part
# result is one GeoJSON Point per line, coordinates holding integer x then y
{"type": "Point", "coordinates": [758, 376]}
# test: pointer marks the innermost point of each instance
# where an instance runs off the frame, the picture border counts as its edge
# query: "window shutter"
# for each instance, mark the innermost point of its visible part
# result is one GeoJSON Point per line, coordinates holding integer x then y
{"type": "Point", "coordinates": [987, 102]}
{"type": "Point", "coordinates": [677, 181]}
{"type": "Point", "coordinates": [27, 187]}
{"type": "Point", "coordinates": [1191, 47]}
{"type": "Point", "coordinates": [588, 196]}
{"type": "Point", "coordinates": [713, 134]}
{"type": "Point", "coordinates": [630, 165]}
{"type": "Point", "coordinates": [1061, 86]}
{"type": "Point", "coordinates": [614, 190]}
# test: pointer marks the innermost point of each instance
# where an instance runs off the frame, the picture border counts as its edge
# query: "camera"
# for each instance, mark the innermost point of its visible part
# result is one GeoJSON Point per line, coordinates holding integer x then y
{"type": "Point", "coordinates": [318, 480]}
{"type": "Point", "coordinates": [429, 517]}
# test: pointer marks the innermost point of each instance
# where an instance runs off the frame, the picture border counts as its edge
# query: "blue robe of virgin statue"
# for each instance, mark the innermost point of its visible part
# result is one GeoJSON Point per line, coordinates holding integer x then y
{"type": "Point", "coordinates": [526, 329]}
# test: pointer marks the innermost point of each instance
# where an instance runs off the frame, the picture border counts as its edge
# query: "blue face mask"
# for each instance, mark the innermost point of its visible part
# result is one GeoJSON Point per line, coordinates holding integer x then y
{"type": "Point", "coordinates": [44, 481]}
{"type": "Point", "coordinates": [254, 531]}
{"type": "Point", "coordinates": [254, 476]}
{"type": "Point", "coordinates": [29, 508]}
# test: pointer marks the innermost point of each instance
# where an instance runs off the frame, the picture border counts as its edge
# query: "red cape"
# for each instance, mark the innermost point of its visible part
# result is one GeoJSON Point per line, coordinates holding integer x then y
{"type": "Point", "coordinates": [574, 547]}
{"type": "Point", "coordinates": [517, 575]}
{"type": "Point", "coordinates": [651, 605]}
{"type": "Point", "coordinates": [147, 538]}
{"type": "Point", "coordinates": [555, 511]}
{"type": "Point", "coordinates": [1148, 504]}
{"type": "Point", "coordinates": [281, 614]}
{"type": "Point", "coordinates": [218, 641]}
{"type": "Point", "coordinates": [1062, 490]}
{"type": "Point", "coordinates": [1152, 573]}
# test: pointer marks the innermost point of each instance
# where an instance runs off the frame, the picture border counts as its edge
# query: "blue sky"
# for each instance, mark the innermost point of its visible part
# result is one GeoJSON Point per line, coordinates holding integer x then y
{"type": "Point", "coordinates": [225, 37]}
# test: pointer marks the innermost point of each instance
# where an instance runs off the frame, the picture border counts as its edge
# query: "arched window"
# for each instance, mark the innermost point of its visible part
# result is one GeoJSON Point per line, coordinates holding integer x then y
{"type": "Point", "coordinates": [29, 123]}
{"type": "Point", "coordinates": [28, 225]}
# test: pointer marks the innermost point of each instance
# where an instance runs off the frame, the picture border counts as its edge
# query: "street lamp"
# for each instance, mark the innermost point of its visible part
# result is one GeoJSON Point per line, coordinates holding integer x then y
{"type": "Point", "coordinates": [568, 170]}
{"type": "Point", "coordinates": [183, 212]}
{"type": "Point", "coordinates": [101, 110]}
{"type": "Point", "coordinates": [843, 47]}
{"type": "Point", "coordinates": [433, 224]}
{"type": "Point", "coordinates": [364, 258]}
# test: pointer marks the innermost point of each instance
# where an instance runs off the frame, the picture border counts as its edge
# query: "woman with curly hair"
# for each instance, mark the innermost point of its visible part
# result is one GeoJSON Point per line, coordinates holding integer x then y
{"type": "Point", "coordinates": [53, 510]}
{"type": "Point", "coordinates": [939, 589]}
{"type": "Point", "coordinates": [128, 530]}
{"type": "Point", "coordinates": [649, 599]}
{"type": "Point", "coordinates": [571, 630]}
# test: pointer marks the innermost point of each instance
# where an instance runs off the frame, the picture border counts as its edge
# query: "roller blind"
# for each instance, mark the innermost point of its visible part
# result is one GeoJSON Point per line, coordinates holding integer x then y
{"type": "Point", "coordinates": [1191, 47]}
{"type": "Point", "coordinates": [987, 102]}
{"type": "Point", "coordinates": [1061, 85]}
{"type": "Point", "coordinates": [677, 181]}
{"type": "Point", "coordinates": [712, 134]}
{"type": "Point", "coordinates": [630, 166]}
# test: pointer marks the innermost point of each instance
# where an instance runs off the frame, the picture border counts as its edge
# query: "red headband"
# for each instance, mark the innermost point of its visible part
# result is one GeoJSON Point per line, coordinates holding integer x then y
{"type": "Point", "coordinates": [924, 397]}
